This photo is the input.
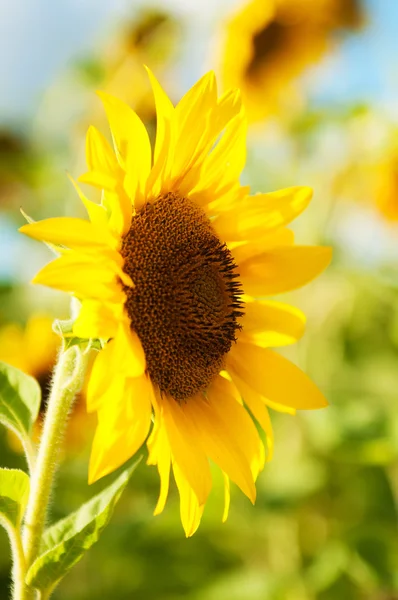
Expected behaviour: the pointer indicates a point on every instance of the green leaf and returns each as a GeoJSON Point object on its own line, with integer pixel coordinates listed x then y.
{"type": "Point", "coordinates": [65, 542]}
{"type": "Point", "coordinates": [20, 397]}
{"type": "Point", "coordinates": [14, 493]}
{"type": "Point", "coordinates": [65, 330]}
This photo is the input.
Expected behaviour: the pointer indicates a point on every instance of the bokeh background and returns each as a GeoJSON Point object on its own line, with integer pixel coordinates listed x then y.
{"type": "Point", "coordinates": [320, 81]}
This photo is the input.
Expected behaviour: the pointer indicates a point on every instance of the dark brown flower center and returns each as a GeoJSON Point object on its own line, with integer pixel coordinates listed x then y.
{"type": "Point", "coordinates": [274, 39]}
{"type": "Point", "coordinates": [186, 300]}
{"type": "Point", "coordinates": [266, 43]}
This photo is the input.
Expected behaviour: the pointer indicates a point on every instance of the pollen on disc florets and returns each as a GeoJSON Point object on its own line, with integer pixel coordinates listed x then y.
{"type": "Point", "coordinates": [186, 298]}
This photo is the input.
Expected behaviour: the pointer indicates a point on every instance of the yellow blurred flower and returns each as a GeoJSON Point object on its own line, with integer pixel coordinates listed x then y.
{"type": "Point", "coordinates": [368, 173]}
{"type": "Point", "coordinates": [268, 43]}
{"type": "Point", "coordinates": [156, 271]}
{"type": "Point", "coordinates": [385, 186]}
{"type": "Point", "coordinates": [33, 349]}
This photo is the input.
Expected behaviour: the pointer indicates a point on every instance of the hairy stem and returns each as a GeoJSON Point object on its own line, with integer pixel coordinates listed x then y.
{"type": "Point", "coordinates": [18, 561]}
{"type": "Point", "coordinates": [30, 453]}
{"type": "Point", "coordinates": [67, 381]}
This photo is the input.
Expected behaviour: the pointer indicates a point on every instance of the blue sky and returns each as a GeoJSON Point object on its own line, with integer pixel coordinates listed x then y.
{"type": "Point", "coordinates": [366, 67]}
{"type": "Point", "coordinates": [39, 38]}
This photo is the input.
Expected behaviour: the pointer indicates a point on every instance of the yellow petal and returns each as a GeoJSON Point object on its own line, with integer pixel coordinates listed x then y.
{"type": "Point", "coordinates": [159, 454]}
{"type": "Point", "coordinates": [129, 355]}
{"type": "Point", "coordinates": [227, 403]}
{"type": "Point", "coordinates": [97, 320]}
{"type": "Point", "coordinates": [190, 510]}
{"type": "Point", "coordinates": [280, 407]}
{"type": "Point", "coordinates": [220, 439]}
{"type": "Point", "coordinates": [123, 425]}
{"type": "Point", "coordinates": [186, 450]}
{"type": "Point", "coordinates": [211, 150]}
{"type": "Point", "coordinates": [269, 403]}
{"type": "Point", "coordinates": [270, 324]}
{"type": "Point", "coordinates": [223, 165]}
{"type": "Point", "coordinates": [96, 212]}
{"type": "Point", "coordinates": [256, 215]}
{"type": "Point", "coordinates": [200, 98]}
{"type": "Point", "coordinates": [122, 357]}
{"type": "Point", "coordinates": [99, 154]}
{"type": "Point", "coordinates": [257, 407]}
{"type": "Point", "coordinates": [101, 257]}
{"type": "Point", "coordinates": [101, 379]}
{"type": "Point", "coordinates": [120, 211]}
{"type": "Point", "coordinates": [191, 125]}
{"type": "Point", "coordinates": [103, 181]}
{"type": "Point", "coordinates": [132, 144]}
{"type": "Point", "coordinates": [70, 232]}
{"type": "Point", "coordinates": [165, 143]}
{"type": "Point", "coordinates": [276, 239]}
{"type": "Point", "coordinates": [228, 106]}
{"type": "Point", "coordinates": [82, 278]}
{"type": "Point", "coordinates": [219, 159]}
{"type": "Point", "coordinates": [227, 497]}
{"type": "Point", "coordinates": [274, 377]}
{"type": "Point", "coordinates": [283, 269]}
{"type": "Point", "coordinates": [230, 152]}
{"type": "Point", "coordinates": [81, 275]}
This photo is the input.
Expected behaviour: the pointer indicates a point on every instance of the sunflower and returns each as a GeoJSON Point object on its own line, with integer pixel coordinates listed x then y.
{"type": "Point", "coordinates": [185, 343]}
{"type": "Point", "coordinates": [268, 43]}
{"type": "Point", "coordinates": [33, 349]}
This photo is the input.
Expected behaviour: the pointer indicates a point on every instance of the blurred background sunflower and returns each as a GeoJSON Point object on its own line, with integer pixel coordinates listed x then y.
{"type": "Point", "coordinates": [320, 82]}
{"type": "Point", "coordinates": [268, 44]}
{"type": "Point", "coordinates": [33, 348]}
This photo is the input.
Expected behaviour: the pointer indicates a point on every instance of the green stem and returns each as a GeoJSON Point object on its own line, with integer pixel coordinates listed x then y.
{"type": "Point", "coordinates": [30, 453]}
{"type": "Point", "coordinates": [18, 561]}
{"type": "Point", "coordinates": [67, 381]}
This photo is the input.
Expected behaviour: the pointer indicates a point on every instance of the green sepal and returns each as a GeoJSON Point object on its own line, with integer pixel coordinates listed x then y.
{"type": "Point", "coordinates": [14, 494]}
{"type": "Point", "coordinates": [65, 330]}
{"type": "Point", "coordinates": [20, 398]}
{"type": "Point", "coordinates": [65, 542]}
{"type": "Point", "coordinates": [76, 341]}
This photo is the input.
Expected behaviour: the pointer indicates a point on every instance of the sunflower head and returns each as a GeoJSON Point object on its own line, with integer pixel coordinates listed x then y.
{"type": "Point", "coordinates": [168, 270]}
{"type": "Point", "coordinates": [172, 247]}
{"type": "Point", "coordinates": [143, 32]}
{"type": "Point", "coordinates": [268, 44]}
